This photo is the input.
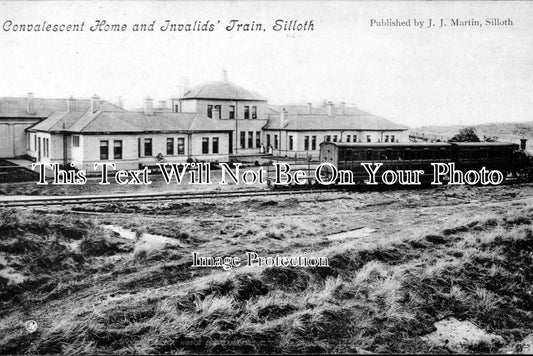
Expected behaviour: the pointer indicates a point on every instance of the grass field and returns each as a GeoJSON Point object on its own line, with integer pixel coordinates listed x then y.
{"type": "Point", "coordinates": [117, 278]}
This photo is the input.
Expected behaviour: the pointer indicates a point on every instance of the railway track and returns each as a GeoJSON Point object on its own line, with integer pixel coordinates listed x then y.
{"type": "Point", "coordinates": [150, 197]}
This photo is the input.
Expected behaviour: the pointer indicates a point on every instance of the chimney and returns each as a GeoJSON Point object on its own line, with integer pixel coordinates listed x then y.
{"type": "Point", "coordinates": [343, 108]}
{"type": "Point", "coordinates": [330, 109]}
{"type": "Point", "coordinates": [183, 87]}
{"type": "Point", "coordinates": [120, 102]}
{"type": "Point", "coordinates": [523, 143]}
{"type": "Point", "coordinates": [309, 108]}
{"type": "Point", "coordinates": [283, 118]}
{"type": "Point", "coordinates": [224, 75]}
{"type": "Point", "coordinates": [324, 102]}
{"type": "Point", "coordinates": [70, 103]}
{"type": "Point", "coordinates": [30, 105]}
{"type": "Point", "coordinates": [95, 103]}
{"type": "Point", "coordinates": [162, 104]}
{"type": "Point", "coordinates": [148, 106]}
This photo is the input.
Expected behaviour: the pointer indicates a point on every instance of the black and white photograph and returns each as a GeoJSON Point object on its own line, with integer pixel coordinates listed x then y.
{"type": "Point", "coordinates": [266, 177]}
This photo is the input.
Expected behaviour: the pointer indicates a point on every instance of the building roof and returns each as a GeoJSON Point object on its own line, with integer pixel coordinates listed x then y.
{"type": "Point", "coordinates": [303, 109]}
{"type": "Point", "coordinates": [17, 107]}
{"type": "Point", "coordinates": [130, 122]}
{"type": "Point", "coordinates": [321, 122]}
{"type": "Point", "coordinates": [222, 91]}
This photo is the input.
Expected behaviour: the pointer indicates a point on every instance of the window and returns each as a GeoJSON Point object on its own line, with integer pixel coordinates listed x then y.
{"type": "Point", "coordinates": [45, 147]}
{"type": "Point", "coordinates": [306, 143]}
{"type": "Point", "coordinates": [250, 139]}
{"type": "Point", "coordinates": [205, 145]}
{"type": "Point", "coordinates": [327, 138]}
{"type": "Point", "coordinates": [254, 112]}
{"type": "Point", "coordinates": [170, 146]}
{"type": "Point", "coordinates": [392, 138]}
{"type": "Point", "coordinates": [147, 147]}
{"type": "Point", "coordinates": [246, 112]}
{"type": "Point", "coordinates": [35, 142]}
{"type": "Point", "coordinates": [291, 143]}
{"type": "Point", "coordinates": [139, 147]}
{"type": "Point", "coordinates": [117, 149]}
{"type": "Point", "coordinates": [176, 108]}
{"type": "Point", "coordinates": [276, 141]}
{"type": "Point", "coordinates": [232, 111]}
{"type": "Point", "coordinates": [257, 139]}
{"type": "Point", "coordinates": [313, 143]}
{"type": "Point", "coordinates": [334, 138]}
{"type": "Point", "coordinates": [76, 141]}
{"type": "Point", "coordinates": [386, 138]}
{"type": "Point", "coordinates": [243, 139]}
{"type": "Point", "coordinates": [219, 108]}
{"type": "Point", "coordinates": [348, 138]}
{"type": "Point", "coordinates": [215, 144]}
{"type": "Point", "coordinates": [181, 145]}
{"type": "Point", "coordinates": [210, 111]}
{"type": "Point", "coordinates": [104, 150]}
{"type": "Point", "coordinates": [28, 142]}
{"type": "Point", "coordinates": [354, 138]}
{"type": "Point", "coordinates": [268, 141]}
{"type": "Point", "coordinates": [368, 138]}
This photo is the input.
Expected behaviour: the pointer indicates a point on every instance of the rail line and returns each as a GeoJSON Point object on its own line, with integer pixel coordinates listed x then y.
{"type": "Point", "coordinates": [151, 197]}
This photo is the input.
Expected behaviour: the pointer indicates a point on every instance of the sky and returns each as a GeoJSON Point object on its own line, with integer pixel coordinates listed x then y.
{"type": "Point", "coordinates": [413, 76]}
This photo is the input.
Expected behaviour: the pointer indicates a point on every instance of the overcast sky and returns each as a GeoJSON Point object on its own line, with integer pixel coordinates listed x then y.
{"type": "Point", "coordinates": [437, 76]}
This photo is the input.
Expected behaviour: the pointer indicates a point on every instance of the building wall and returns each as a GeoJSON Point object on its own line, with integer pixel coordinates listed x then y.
{"type": "Point", "coordinates": [13, 136]}
{"type": "Point", "coordinates": [89, 152]}
{"type": "Point", "coordinates": [299, 139]}
{"type": "Point", "coordinates": [200, 105]}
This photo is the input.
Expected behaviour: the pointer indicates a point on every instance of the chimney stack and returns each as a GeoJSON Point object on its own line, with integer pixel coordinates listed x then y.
{"type": "Point", "coordinates": [70, 103]}
{"type": "Point", "coordinates": [283, 118]}
{"type": "Point", "coordinates": [343, 108]}
{"type": "Point", "coordinates": [183, 87]}
{"type": "Point", "coordinates": [148, 106]}
{"type": "Point", "coordinates": [30, 105]}
{"type": "Point", "coordinates": [330, 109]}
{"type": "Point", "coordinates": [324, 102]}
{"type": "Point", "coordinates": [162, 104]}
{"type": "Point", "coordinates": [95, 103]}
{"type": "Point", "coordinates": [309, 108]}
{"type": "Point", "coordinates": [224, 75]}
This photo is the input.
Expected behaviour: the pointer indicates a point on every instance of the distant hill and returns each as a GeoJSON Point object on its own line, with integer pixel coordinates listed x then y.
{"type": "Point", "coordinates": [504, 132]}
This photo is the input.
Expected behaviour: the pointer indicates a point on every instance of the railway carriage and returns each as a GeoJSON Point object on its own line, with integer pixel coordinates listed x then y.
{"type": "Point", "coordinates": [508, 158]}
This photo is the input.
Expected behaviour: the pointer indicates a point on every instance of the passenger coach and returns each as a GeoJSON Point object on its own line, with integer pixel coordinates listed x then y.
{"type": "Point", "coordinates": [505, 157]}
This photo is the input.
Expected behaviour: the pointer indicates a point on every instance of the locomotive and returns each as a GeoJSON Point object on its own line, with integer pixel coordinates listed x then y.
{"type": "Point", "coordinates": [470, 161]}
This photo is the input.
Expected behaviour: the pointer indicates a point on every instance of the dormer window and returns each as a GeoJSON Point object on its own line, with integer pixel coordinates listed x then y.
{"type": "Point", "coordinates": [210, 111]}
{"type": "Point", "coordinates": [246, 112]}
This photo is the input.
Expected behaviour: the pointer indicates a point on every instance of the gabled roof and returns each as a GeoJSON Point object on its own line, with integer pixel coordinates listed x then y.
{"type": "Point", "coordinates": [315, 122]}
{"type": "Point", "coordinates": [130, 122]}
{"type": "Point", "coordinates": [17, 107]}
{"type": "Point", "coordinates": [221, 90]}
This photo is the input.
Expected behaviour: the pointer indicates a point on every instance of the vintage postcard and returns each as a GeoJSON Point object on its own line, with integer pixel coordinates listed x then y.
{"type": "Point", "coordinates": [241, 177]}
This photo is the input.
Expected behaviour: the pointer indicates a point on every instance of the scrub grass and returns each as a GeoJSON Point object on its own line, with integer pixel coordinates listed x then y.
{"type": "Point", "coordinates": [90, 293]}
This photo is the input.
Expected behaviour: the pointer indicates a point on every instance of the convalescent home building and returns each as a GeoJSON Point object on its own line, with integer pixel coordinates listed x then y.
{"type": "Point", "coordinates": [17, 114]}
{"type": "Point", "coordinates": [215, 121]}
{"type": "Point", "coordinates": [297, 131]}
{"type": "Point", "coordinates": [244, 110]}
{"type": "Point", "coordinates": [128, 139]}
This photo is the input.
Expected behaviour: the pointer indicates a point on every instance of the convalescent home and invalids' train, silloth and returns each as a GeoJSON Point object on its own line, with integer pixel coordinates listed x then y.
{"type": "Point", "coordinates": [214, 121]}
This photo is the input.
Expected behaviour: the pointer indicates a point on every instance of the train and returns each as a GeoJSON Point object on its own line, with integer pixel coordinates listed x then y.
{"type": "Point", "coordinates": [452, 161]}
